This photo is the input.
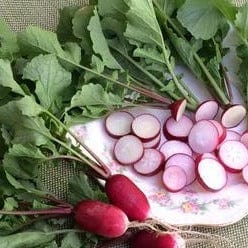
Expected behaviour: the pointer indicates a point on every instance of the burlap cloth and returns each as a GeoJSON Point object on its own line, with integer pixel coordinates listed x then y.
{"type": "Point", "coordinates": [21, 13]}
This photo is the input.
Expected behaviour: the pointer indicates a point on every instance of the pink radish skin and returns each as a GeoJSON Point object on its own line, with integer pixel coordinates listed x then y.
{"type": "Point", "coordinates": [203, 137]}
{"type": "Point", "coordinates": [234, 155]}
{"type": "Point", "coordinates": [186, 162]}
{"type": "Point", "coordinates": [207, 110]}
{"type": "Point", "coordinates": [149, 239]}
{"type": "Point", "coordinates": [128, 150]}
{"type": "Point", "coordinates": [152, 143]}
{"type": "Point", "coordinates": [244, 138]}
{"type": "Point", "coordinates": [119, 124]}
{"type": "Point", "coordinates": [171, 147]}
{"type": "Point", "coordinates": [123, 193]}
{"type": "Point", "coordinates": [146, 126]}
{"type": "Point", "coordinates": [177, 129]}
{"type": "Point", "coordinates": [174, 178]}
{"type": "Point", "coordinates": [151, 163]}
{"type": "Point", "coordinates": [245, 174]}
{"type": "Point", "coordinates": [221, 130]}
{"type": "Point", "coordinates": [232, 116]}
{"type": "Point", "coordinates": [178, 108]}
{"type": "Point", "coordinates": [211, 174]}
{"type": "Point", "coordinates": [101, 218]}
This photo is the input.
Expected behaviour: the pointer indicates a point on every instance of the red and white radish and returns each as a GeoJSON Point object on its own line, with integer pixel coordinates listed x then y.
{"type": "Point", "coordinates": [232, 135]}
{"type": "Point", "coordinates": [178, 108]}
{"type": "Point", "coordinates": [244, 138]}
{"type": "Point", "coordinates": [221, 130]}
{"type": "Point", "coordinates": [203, 137]}
{"type": "Point", "coordinates": [234, 155]}
{"type": "Point", "coordinates": [177, 129]}
{"type": "Point", "coordinates": [211, 174]}
{"type": "Point", "coordinates": [128, 149]}
{"type": "Point", "coordinates": [233, 115]}
{"type": "Point", "coordinates": [146, 126]}
{"type": "Point", "coordinates": [174, 178]}
{"type": "Point", "coordinates": [151, 163]}
{"type": "Point", "coordinates": [207, 110]}
{"type": "Point", "coordinates": [152, 143]}
{"type": "Point", "coordinates": [205, 155]}
{"type": "Point", "coordinates": [245, 174]}
{"type": "Point", "coordinates": [119, 123]}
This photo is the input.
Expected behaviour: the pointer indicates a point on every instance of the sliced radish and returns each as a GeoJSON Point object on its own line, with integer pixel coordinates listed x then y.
{"type": "Point", "coordinates": [211, 174]}
{"type": "Point", "coordinates": [119, 123]}
{"type": "Point", "coordinates": [128, 149]}
{"type": "Point", "coordinates": [146, 126]}
{"type": "Point", "coordinates": [245, 173]}
{"type": "Point", "coordinates": [178, 108]}
{"type": "Point", "coordinates": [184, 161]}
{"type": "Point", "coordinates": [234, 155]}
{"type": "Point", "coordinates": [221, 130]}
{"type": "Point", "coordinates": [152, 143]}
{"type": "Point", "coordinates": [205, 155]}
{"type": "Point", "coordinates": [177, 129]}
{"type": "Point", "coordinates": [232, 135]}
{"type": "Point", "coordinates": [207, 110]}
{"type": "Point", "coordinates": [174, 178]}
{"type": "Point", "coordinates": [244, 138]}
{"type": "Point", "coordinates": [171, 147]}
{"type": "Point", "coordinates": [232, 116]}
{"type": "Point", "coordinates": [151, 162]}
{"type": "Point", "coordinates": [203, 137]}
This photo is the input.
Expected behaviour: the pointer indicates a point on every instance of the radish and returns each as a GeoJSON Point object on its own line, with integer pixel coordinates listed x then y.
{"type": "Point", "coordinates": [178, 129]}
{"type": "Point", "coordinates": [234, 155]}
{"type": "Point", "coordinates": [203, 137]}
{"type": "Point", "coordinates": [146, 126]}
{"type": "Point", "coordinates": [152, 143]}
{"type": "Point", "coordinates": [221, 130]}
{"type": "Point", "coordinates": [244, 138]}
{"type": "Point", "coordinates": [171, 147]}
{"type": "Point", "coordinates": [186, 162]}
{"type": "Point", "coordinates": [101, 218]}
{"type": "Point", "coordinates": [232, 116]}
{"type": "Point", "coordinates": [211, 174]}
{"type": "Point", "coordinates": [150, 239]}
{"type": "Point", "coordinates": [128, 149]}
{"type": "Point", "coordinates": [205, 155]}
{"type": "Point", "coordinates": [119, 124]}
{"type": "Point", "coordinates": [174, 178]}
{"type": "Point", "coordinates": [123, 193]}
{"type": "Point", "coordinates": [245, 173]}
{"type": "Point", "coordinates": [232, 135]}
{"type": "Point", "coordinates": [207, 110]}
{"type": "Point", "coordinates": [151, 163]}
{"type": "Point", "coordinates": [178, 108]}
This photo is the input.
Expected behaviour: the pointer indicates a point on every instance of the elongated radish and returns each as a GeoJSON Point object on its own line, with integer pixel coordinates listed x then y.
{"type": "Point", "coordinates": [119, 123]}
{"type": "Point", "coordinates": [178, 129]}
{"type": "Point", "coordinates": [186, 162]}
{"type": "Point", "coordinates": [101, 218]}
{"type": "Point", "coordinates": [146, 126]}
{"type": "Point", "coordinates": [245, 174]}
{"type": "Point", "coordinates": [221, 130]}
{"type": "Point", "coordinates": [123, 193]}
{"type": "Point", "coordinates": [232, 116]}
{"type": "Point", "coordinates": [244, 138]}
{"type": "Point", "coordinates": [151, 162]}
{"type": "Point", "coordinates": [152, 143]}
{"type": "Point", "coordinates": [174, 178]}
{"type": "Point", "coordinates": [203, 137]}
{"type": "Point", "coordinates": [128, 149]}
{"type": "Point", "coordinates": [211, 174]}
{"type": "Point", "coordinates": [171, 147]}
{"type": "Point", "coordinates": [178, 108]}
{"type": "Point", "coordinates": [207, 110]}
{"type": "Point", "coordinates": [146, 238]}
{"type": "Point", "coordinates": [234, 155]}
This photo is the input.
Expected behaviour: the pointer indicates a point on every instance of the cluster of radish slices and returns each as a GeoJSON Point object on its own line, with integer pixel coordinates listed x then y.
{"type": "Point", "coordinates": [202, 147]}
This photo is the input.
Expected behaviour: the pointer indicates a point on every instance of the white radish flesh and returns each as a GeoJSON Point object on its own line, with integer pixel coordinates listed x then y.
{"type": "Point", "coordinates": [151, 163]}
{"type": "Point", "coordinates": [128, 149]}
{"type": "Point", "coordinates": [119, 123]}
{"type": "Point", "coordinates": [211, 174]}
{"type": "Point", "coordinates": [221, 130]}
{"type": "Point", "coordinates": [244, 139]}
{"type": "Point", "coordinates": [234, 155]}
{"type": "Point", "coordinates": [178, 108]}
{"type": "Point", "coordinates": [207, 110]}
{"type": "Point", "coordinates": [174, 178]}
{"type": "Point", "coordinates": [152, 143]}
{"type": "Point", "coordinates": [203, 137]}
{"type": "Point", "coordinates": [146, 126]}
{"type": "Point", "coordinates": [245, 173]}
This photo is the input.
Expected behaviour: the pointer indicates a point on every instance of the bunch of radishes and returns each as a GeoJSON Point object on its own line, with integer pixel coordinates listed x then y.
{"type": "Point", "coordinates": [202, 146]}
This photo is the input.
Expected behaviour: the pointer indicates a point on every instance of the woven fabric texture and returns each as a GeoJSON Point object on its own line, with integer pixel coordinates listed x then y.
{"type": "Point", "coordinates": [44, 13]}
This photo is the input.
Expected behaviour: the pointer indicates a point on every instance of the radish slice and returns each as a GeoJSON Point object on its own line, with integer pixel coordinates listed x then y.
{"type": "Point", "coordinates": [221, 130]}
{"type": "Point", "coordinates": [146, 126]}
{"type": "Point", "coordinates": [119, 123]}
{"type": "Point", "coordinates": [245, 173]}
{"type": "Point", "coordinates": [174, 178]}
{"type": "Point", "coordinates": [178, 108]}
{"type": "Point", "coordinates": [234, 155]}
{"type": "Point", "coordinates": [128, 149]}
{"type": "Point", "coordinates": [232, 135]}
{"type": "Point", "coordinates": [203, 137]}
{"type": "Point", "coordinates": [205, 155]}
{"type": "Point", "coordinates": [233, 116]}
{"type": "Point", "coordinates": [171, 147]}
{"type": "Point", "coordinates": [151, 162]}
{"type": "Point", "coordinates": [207, 110]}
{"type": "Point", "coordinates": [211, 174]}
{"type": "Point", "coordinates": [244, 138]}
{"type": "Point", "coordinates": [186, 162]}
{"type": "Point", "coordinates": [177, 129]}
{"type": "Point", "coordinates": [152, 143]}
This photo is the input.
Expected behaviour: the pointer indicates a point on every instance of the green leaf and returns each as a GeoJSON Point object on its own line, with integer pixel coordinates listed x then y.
{"type": "Point", "coordinates": [10, 204]}
{"type": "Point", "coordinates": [241, 21]}
{"type": "Point", "coordinates": [227, 8]}
{"type": "Point", "coordinates": [71, 240]}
